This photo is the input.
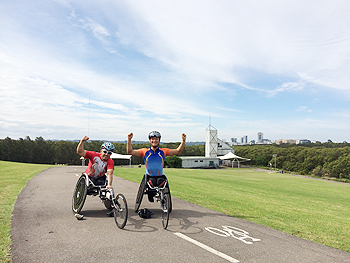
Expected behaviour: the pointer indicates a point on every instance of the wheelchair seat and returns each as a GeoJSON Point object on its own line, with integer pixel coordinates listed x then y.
{"type": "Point", "coordinates": [99, 181]}
{"type": "Point", "coordinates": [156, 181]}
{"type": "Point", "coordinates": [95, 184]}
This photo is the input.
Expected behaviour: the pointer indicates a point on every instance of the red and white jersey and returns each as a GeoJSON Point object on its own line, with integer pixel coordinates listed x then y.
{"type": "Point", "coordinates": [97, 167]}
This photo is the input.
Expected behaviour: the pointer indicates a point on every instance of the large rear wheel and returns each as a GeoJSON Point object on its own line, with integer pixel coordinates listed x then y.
{"type": "Point", "coordinates": [140, 193]}
{"type": "Point", "coordinates": [79, 195]}
{"type": "Point", "coordinates": [120, 209]}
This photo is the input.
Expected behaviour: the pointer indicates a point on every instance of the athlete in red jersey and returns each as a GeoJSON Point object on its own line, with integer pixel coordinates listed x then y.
{"type": "Point", "coordinates": [99, 163]}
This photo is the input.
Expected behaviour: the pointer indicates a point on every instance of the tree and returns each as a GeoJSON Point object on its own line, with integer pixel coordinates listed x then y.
{"type": "Point", "coordinates": [262, 161]}
{"type": "Point", "coordinates": [173, 161]}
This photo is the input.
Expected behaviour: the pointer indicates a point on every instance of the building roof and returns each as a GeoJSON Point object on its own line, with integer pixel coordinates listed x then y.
{"type": "Point", "coordinates": [120, 156]}
{"type": "Point", "coordinates": [197, 157]}
{"type": "Point", "coordinates": [231, 155]}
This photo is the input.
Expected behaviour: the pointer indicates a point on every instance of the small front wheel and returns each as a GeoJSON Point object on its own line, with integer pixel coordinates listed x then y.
{"type": "Point", "coordinates": [120, 209]}
{"type": "Point", "coordinates": [165, 203]}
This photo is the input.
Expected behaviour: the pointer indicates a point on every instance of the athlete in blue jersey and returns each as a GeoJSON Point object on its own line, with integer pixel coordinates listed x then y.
{"type": "Point", "coordinates": [154, 156]}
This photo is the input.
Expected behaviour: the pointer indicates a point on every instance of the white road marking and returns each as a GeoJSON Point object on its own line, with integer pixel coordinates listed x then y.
{"type": "Point", "coordinates": [235, 232]}
{"type": "Point", "coordinates": [212, 250]}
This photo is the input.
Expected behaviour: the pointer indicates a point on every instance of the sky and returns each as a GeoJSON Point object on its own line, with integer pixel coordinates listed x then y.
{"type": "Point", "coordinates": [107, 68]}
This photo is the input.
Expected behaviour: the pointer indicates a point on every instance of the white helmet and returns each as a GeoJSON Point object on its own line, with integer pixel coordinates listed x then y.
{"type": "Point", "coordinates": [154, 134]}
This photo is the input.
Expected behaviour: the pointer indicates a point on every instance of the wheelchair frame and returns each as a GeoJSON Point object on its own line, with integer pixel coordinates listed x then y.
{"type": "Point", "coordinates": [85, 186]}
{"type": "Point", "coordinates": [162, 195]}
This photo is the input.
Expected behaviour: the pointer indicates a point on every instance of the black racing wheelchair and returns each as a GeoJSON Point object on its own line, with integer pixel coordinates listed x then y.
{"type": "Point", "coordinates": [161, 192]}
{"type": "Point", "coordinates": [98, 186]}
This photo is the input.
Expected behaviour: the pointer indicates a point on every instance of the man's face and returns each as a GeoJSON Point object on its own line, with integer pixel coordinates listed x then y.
{"type": "Point", "coordinates": [105, 155]}
{"type": "Point", "coordinates": [154, 141]}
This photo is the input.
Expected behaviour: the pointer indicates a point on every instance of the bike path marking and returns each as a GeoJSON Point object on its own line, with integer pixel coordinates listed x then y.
{"type": "Point", "coordinates": [235, 232]}
{"type": "Point", "coordinates": [212, 250]}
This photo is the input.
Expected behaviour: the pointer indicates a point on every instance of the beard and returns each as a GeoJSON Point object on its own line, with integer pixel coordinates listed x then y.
{"type": "Point", "coordinates": [104, 158]}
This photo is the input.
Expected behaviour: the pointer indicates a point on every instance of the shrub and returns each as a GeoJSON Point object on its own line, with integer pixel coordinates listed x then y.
{"type": "Point", "coordinates": [173, 162]}
{"type": "Point", "coordinates": [320, 172]}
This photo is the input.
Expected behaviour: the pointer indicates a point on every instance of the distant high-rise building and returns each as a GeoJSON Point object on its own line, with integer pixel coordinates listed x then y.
{"type": "Point", "coordinates": [281, 141]}
{"type": "Point", "coordinates": [260, 137]}
{"type": "Point", "coordinates": [244, 139]}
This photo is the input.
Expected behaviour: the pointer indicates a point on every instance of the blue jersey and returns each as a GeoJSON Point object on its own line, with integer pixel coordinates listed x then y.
{"type": "Point", "coordinates": [154, 160]}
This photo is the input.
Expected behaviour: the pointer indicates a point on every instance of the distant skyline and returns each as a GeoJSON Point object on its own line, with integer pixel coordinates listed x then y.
{"type": "Point", "coordinates": [108, 68]}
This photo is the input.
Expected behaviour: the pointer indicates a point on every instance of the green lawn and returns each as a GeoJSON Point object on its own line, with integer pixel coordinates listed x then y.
{"type": "Point", "coordinates": [13, 176]}
{"type": "Point", "coordinates": [316, 210]}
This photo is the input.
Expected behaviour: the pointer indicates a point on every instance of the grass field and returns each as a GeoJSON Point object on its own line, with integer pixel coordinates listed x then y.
{"type": "Point", "coordinates": [13, 176]}
{"type": "Point", "coordinates": [316, 210]}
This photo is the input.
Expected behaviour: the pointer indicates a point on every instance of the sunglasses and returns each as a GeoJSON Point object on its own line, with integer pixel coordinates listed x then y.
{"type": "Point", "coordinates": [108, 152]}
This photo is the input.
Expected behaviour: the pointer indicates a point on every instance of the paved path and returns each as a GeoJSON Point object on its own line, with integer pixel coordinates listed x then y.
{"type": "Point", "coordinates": [44, 229]}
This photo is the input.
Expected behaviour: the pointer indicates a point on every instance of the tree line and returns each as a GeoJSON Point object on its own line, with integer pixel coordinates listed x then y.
{"type": "Point", "coordinates": [64, 152]}
{"type": "Point", "coordinates": [321, 159]}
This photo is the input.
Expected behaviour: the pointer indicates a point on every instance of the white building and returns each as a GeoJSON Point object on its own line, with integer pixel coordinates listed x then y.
{"type": "Point", "coordinates": [244, 139]}
{"type": "Point", "coordinates": [234, 141]}
{"type": "Point", "coordinates": [199, 162]}
{"type": "Point", "coordinates": [211, 144]}
{"type": "Point", "coordinates": [214, 147]}
{"type": "Point", "coordinates": [223, 148]}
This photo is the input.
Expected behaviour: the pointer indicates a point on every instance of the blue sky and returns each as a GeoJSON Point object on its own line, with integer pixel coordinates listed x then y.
{"type": "Point", "coordinates": [107, 68]}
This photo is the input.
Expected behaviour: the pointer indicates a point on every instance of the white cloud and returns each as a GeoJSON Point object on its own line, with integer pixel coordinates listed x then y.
{"type": "Point", "coordinates": [303, 109]}
{"type": "Point", "coordinates": [98, 31]}
{"type": "Point", "coordinates": [288, 86]}
{"type": "Point", "coordinates": [211, 40]}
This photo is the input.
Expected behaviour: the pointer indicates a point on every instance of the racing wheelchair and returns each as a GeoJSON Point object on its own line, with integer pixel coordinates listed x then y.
{"type": "Point", "coordinates": [160, 192]}
{"type": "Point", "coordinates": [98, 186]}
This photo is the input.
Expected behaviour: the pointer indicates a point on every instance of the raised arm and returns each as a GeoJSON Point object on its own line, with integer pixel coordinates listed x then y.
{"type": "Point", "coordinates": [129, 149]}
{"type": "Point", "coordinates": [80, 147]}
{"type": "Point", "coordinates": [181, 146]}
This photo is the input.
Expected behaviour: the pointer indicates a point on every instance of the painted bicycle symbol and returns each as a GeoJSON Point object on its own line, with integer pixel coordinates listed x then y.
{"type": "Point", "coordinates": [235, 232]}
